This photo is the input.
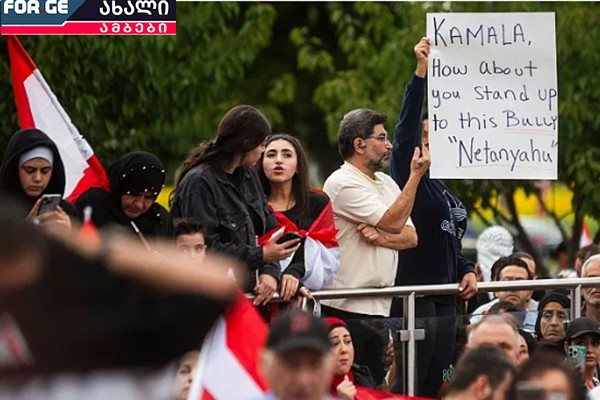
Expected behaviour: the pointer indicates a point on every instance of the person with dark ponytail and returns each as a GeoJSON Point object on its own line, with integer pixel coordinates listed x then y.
{"type": "Point", "coordinates": [218, 186]}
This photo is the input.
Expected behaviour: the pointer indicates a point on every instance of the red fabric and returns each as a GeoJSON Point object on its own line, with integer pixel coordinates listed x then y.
{"type": "Point", "coordinates": [89, 234]}
{"type": "Point", "coordinates": [206, 395]}
{"type": "Point", "coordinates": [363, 393]}
{"type": "Point", "coordinates": [322, 229]}
{"type": "Point", "coordinates": [21, 67]}
{"type": "Point", "coordinates": [333, 321]}
{"type": "Point", "coordinates": [246, 335]}
{"type": "Point", "coordinates": [93, 176]}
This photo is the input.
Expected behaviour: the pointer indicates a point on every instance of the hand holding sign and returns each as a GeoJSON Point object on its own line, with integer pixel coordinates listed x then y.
{"type": "Point", "coordinates": [422, 50]}
{"type": "Point", "coordinates": [492, 90]}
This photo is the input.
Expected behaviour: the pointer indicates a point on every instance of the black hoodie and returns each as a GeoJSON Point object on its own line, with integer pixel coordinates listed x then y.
{"type": "Point", "coordinates": [21, 142]}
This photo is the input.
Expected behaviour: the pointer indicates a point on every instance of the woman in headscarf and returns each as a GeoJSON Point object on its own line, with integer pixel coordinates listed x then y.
{"type": "Point", "coordinates": [31, 168]}
{"type": "Point", "coordinates": [350, 381]}
{"type": "Point", "coordinates": [135, 180]}
{"type": "Point", "coordinates": [553, 314]}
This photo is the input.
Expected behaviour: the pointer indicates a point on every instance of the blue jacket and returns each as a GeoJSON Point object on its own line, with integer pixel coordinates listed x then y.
{"type": "Point", "coordinates": [439, 217]}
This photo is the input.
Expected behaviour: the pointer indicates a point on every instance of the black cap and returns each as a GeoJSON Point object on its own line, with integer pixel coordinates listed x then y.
{"type": "Point", "coordinates": [580, 326]}
{"type": "Point", "coordinates": [298, 330]}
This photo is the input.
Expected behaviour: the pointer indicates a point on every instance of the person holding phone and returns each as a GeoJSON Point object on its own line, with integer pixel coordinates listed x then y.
{"type": "Point", "coordinates": [33, 173]}
{"type": "Point", "coordinates": [135, 181]}
{"type": "Point", "coordinates": [585, 333]}
{"type": "Point", "coordinates": [218, 186]}
{"type": "Point", "coordinates": [305, 214]}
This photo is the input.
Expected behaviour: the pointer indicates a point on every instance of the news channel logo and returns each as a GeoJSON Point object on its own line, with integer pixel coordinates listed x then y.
{"type": "Point", "coordinates": [88, 17]}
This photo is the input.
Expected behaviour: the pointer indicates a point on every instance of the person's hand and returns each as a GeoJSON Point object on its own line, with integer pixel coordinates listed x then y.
{"type": "Point", "coordinates": [289, 286]}
{"type": "Point", "coordinates": [34, 211]}
{"type": "Point", "coordinates": [303, 293]}
{"type": "Point", "coordinates": [468, 286]}
{"type": "Point", "coordinates": [422, 53]}
{"type": "Point", "coordinates": [276, 252]}
{"type": "Point", "coordinates": [346, 389]}
{"type": "Point", "coordinates": [421, 161]}
{"type": "Point", "coordinates": [56, 222]}
{"type": "Point", "coordinates": [389, 354]}
{"type": "Point", "coordinates": [370, 233]}
{"type": "Point", "coordinates": [264, 289]}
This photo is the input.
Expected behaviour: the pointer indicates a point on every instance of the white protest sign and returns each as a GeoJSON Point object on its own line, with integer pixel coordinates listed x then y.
{"type": "Point", "coordinates": [493, 95]}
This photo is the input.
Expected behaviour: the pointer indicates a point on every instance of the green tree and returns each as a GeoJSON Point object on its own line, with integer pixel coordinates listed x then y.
{"type": "Point", "coordinates": [160, 94]}
{"type": "Point", "coordinates": [375, 60]}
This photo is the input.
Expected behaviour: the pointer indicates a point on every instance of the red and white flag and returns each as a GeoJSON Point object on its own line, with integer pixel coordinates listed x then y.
{"type": "Point", "coordinates": [586, 237]}
{"type": "Point", "coordinates": [227, 367]}
{"type": "Point", "coordinates": [321, 248]}
{"type": "Point", "coordinates": [39, 108]}
{"type": "Point", "coordinates": [228, 364]}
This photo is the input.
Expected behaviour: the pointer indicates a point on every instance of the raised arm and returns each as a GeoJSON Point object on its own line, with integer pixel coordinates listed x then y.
{"type": "Point", "coordinates": [407, 133]}
{"type": "Point", "coordinates": [398, 213]}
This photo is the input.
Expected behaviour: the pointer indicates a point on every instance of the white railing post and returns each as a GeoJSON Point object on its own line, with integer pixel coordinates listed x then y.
{"type": "Point", "coordinates": [411, 344]}
{"type": "Point", "coordinates": [576, 301]}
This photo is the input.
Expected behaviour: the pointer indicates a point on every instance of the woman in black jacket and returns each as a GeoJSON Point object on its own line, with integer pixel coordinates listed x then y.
{"type": "Point", "coordinates": [218, 187]}
{"type": "Point", "coordinates": [31, 168]}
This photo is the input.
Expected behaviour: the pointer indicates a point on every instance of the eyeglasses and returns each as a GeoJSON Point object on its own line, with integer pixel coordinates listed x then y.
{"type": "Point", "coordinates": [383, 138]}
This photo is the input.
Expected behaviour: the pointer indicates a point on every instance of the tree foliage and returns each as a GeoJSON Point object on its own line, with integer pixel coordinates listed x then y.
{"type": "Point", "coordinates": [161, 94]}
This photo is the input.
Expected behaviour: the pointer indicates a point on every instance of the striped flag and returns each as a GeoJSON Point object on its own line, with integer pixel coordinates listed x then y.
{"type": "Point", "coordinates": [88, 232]}
{"type": "Point", "coordinates": [39, 108]}
{"type": "Point", "coordinates": [586, 237]}
{"type": "Point", "coordinates": [228, 368]}
{"type": "Point", "coordinates": [321, 248]}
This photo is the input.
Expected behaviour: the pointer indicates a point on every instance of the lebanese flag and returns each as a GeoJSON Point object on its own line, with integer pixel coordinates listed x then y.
{"type": "Point", "coordinates": [39, 108]}
{"type": "Point", "coordinates": [227, 368]}
{"type": "Point", "coordinates": [88, 232]}
{"type": "Point", "coordinates": [586, 237]}
{"type": "Point", "coordinates": [321, 248]}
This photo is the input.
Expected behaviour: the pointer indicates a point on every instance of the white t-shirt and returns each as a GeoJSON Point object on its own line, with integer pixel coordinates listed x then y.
{"type": "Point", "coordinates": [356, 199]}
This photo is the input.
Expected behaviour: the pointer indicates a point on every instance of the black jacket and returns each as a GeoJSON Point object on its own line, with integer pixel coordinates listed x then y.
{"type": "Point", "coordinates": [21, 142]}
{"type": "Point", "coordinates": [227, 213]}
{"type": "Point", "coordinates": [439, 216]}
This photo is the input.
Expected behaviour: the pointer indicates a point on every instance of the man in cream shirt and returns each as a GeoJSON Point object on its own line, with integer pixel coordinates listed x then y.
{"type": "Point", "coordinates": [371, 213]}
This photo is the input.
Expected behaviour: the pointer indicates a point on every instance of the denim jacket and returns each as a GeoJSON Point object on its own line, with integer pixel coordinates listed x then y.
{"type": "Point", "coordinates": [211, 198]}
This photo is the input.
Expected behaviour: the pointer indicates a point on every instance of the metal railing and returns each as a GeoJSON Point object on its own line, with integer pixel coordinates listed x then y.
{"type": "Point", "coordinates": [410, 293]}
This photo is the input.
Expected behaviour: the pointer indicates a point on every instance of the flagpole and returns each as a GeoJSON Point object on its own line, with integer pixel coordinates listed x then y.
{"type": "Point", "coordinates": [141, 236]}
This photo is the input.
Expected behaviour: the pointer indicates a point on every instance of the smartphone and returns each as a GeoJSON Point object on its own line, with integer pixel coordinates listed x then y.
{"type": "Point", "coordinates": [49, 203]}
{"type": "Point", "coordinates": [289, 235]}
{"type": "Point", "coordinates": [530, 391]}
{"type": "Point", "coordinates": [576, 355]}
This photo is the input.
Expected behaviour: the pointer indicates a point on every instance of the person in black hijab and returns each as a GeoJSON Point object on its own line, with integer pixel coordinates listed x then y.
{"type": "Point", "coordinates": [135, 180]}
{"type": "Point", "coordinates": [31, 168]}
{"type": "Point", "coordinates": [550, 327]}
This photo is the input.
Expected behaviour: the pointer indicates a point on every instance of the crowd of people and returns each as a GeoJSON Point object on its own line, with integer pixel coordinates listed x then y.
{"type": "Point", "coordinates": [245, 195]}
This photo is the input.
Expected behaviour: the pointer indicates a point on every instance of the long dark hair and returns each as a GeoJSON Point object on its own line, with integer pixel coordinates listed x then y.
{"type": "Point", "coordinates": [242, 129]}
{"type": "Point", "coordinates": [300, 187]}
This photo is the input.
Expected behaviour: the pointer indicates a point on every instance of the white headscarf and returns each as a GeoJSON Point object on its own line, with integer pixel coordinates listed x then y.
{"type": "Point", "coordinates": [37, 152]}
